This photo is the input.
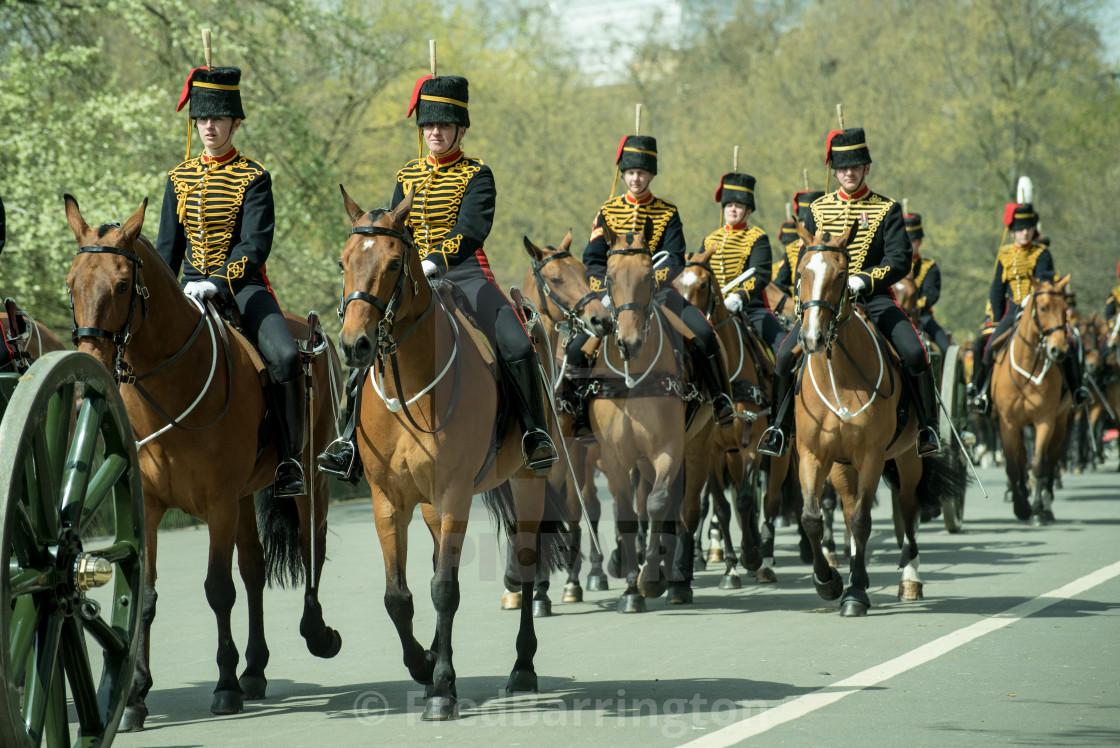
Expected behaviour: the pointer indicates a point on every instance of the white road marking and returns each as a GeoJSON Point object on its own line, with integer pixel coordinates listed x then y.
{"type": "Point", "coordinates": [810, 702]}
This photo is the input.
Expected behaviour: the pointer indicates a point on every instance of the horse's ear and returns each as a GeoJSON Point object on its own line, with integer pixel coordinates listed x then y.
{"type": "Point", "coordinates": [704, 255]}
{"type": "Point", "coordinates": [1063, 283]}
{"type": "Point", "coordinates": [535, 252]}
{"type": "Point", "coordinates": [567, 243]}
{"type": "Point", "coordinates": [74, 217]}
{"type": "Point", "coordinates": [399, 214]}
{"type": "Point", "coordinates": [133, 225]}
{"type": "Point", "coordinates": [803, 233]}
{"type": "Point", "coordinates": [608, 234]}
{"type": "Point", "coordinates": [844, 238]}
{"type": "Point", "coordinates": [352, 209]}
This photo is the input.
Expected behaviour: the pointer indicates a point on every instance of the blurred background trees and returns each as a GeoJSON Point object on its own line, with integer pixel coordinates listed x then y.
{"type": "Point", "coordinates": [959, 98]}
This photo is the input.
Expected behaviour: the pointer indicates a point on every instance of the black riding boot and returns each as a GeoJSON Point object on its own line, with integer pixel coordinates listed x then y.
{"type": "Point", "coordinates": [775, 440]}
{"type": "Point", "coordinates": [288, 480]}
{"type": "Point", "coordinates": [978, 399]}
{"type": "Point", "coordinates": [1071, 372]}
{"type": "Point", "coordinates": [573, 374]}
{"type": "Point", "coordinates": [536, 444]}
{"type": "Point", "coordinates": [926, 390]}
{"type": "Point", "coordinates": [723, 410]}
{"type": "Point", "coordinates": [340, 458]}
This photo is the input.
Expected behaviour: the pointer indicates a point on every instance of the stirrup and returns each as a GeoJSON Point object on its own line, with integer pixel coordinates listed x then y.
{"type": "Point", "coordinates": [340, 459]}
{"type": "Point", "coordinates": [932, 444]}
{"type": "Point", "coordinates": [293, 482]}
{"type": "Point", "coordinates": [542, 465]}
{"type": "Point", "coordinates": [722, 403]}
{"type": "Point", "coordinates": [766, 445]}
{"type": "Point", "coordinates": [1081, 397]}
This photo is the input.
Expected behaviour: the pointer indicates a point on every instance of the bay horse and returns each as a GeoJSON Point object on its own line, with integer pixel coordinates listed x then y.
{"type": "Point", "coordinates": [637, 411]}
{"type": "Point", "coordinates": [847, 428]}
{"type": "Point", "coordinates": [1027, 389]}
{"type": "Point", "coordinates": [782, 304]}
{"type": "Point", "coordinates": [196, 405]}
{"type": "Point", "coordinates": [432, 431]}
{"type": "Point", "coordinates": [23, 338]}
{"type": "Point", "coordinates": [556, 284]}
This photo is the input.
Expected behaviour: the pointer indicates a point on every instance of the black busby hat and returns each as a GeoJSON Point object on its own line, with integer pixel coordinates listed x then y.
{"type": "Point", "coordinates": [803, 200]}
{"type": "Point", "coordinates": [846, 148]}
{"type": "Point", "coordinates": [440, 100]}
{"type": "Point", "coordinates": [914, 226]}
{"type": "Point", "coordinates": [787, 234]}
{"type": "Point", "coordinates": [213, 92]}
{"type": "Point", "coordinates": [637, 152]}
{"type": "Point", "coordinates": [736, 188]}
{"type": "Point", "coordinates": [1018, 216]}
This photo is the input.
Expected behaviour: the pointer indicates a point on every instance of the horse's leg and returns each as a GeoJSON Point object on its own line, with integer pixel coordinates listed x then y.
{"type": "Point", "coordinates": [910, 468]}
{"type": "Point", "coordinates": [322, 640]}
{"type": "Point", "coordinates": [526, 547]}
{"type": "Point", "coordinates": [136, 710]}
{"type": "Point", "coordinates": [663, 507]}
{"type": "Point", "coordinates": [392, 533]}
{"type": "Point", "coordinates": [826, 580]}
{"type": "Point", "coordinates": [680, 587]}
{"type": "Point", "coordinates": [700, 559]}
{"type": "Point", "coordinates": [221, 595]}
{"type": "Point", "coordinates": [721, 508]}
{"type": "Point", "coordinates": [442, 696]}
{"type": "Point", "coordinates": [250, 561]}
{"type": "Point", "coordinates": [1015, 457]}
{"type": "Point", "coordinates": [860, 487]}
{"type": "Point", "coordinates": [828, 539]}
{"type": "Point", "coordinates": [1047, 451]}
{"type": "Point", "coordinates": [626, 566]}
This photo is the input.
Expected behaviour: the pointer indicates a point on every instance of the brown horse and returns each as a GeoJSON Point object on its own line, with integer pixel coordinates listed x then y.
{"type": "Point", "coordinates": [556, 283]}
{"type": "Point", "coordinates": [781, 304]}
{"type": "Point", "coordinates": [847, 427]}
{"type": "Point", "coordinates": [432, 431]}
{"type": "Point", "coordinates": [26, 339]}
{"type": "Point", "coordinates": [906, 294]}
{"type": "Point", "coordinates": [196, 403]}
{"type": "Point", "coordinates": [1027, 390]}
{"type": "Point", "coordinates": [638, 414]}
{"type": "Point", "coordinates": [1102, 375]}
{"type": "Point", "coordinates": [750, 369]}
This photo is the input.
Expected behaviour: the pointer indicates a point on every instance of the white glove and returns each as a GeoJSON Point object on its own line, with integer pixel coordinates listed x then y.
{"type": "Point", "coordinates": [734, 303]}
{"type": "Point", "coordinates": [856, 285]}
{"type": "Point", "coordinates": [200, 290]}
{"type": "Point", "coordinates": [607, 301]}
{"type": "Point", "coordinates": [431, 270]}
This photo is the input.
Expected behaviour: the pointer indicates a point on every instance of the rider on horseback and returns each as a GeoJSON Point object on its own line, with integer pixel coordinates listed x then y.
{"type": "Point", "coordinates": [218, 216]}
{"type": "Point", "coordinates": [451, 216]}
{"type": "Point", "coordinates": [637, 162]}
{"type": "Point", "coordinates": [739, 249]}
{"type": "Point", "coordinates": [1016, 264]}
{"type": "Point", "coordinates": [927, 277]}
{"type": "Point", "coordinates": [879, 255]}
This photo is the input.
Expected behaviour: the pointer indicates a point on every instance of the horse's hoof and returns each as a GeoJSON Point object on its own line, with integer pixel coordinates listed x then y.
{"type": "Point", "coordinates": [1038, 519]}
{"type": "Point", "coordinates": [1008, 495]}
{"type": "Point", "coordinates": [730, 582]}
{"type": "Point", "coordinates": [597, 583]}
{"type": "Point", "coordinates": [511, 600]}
{"type": "Point", "coordinates": [832, 559]}
{"type": "Point", "coordinates": [908, 589]}
{"type": "Point", "coordinates": [855, 603]}
{"type": "Point", "coordinates": [440, 708]}
{"type": "Point", "coordinates": [542, 608]}
{"type": "Point", "coordinates": [1047, 515]}
{"type": "Point", "coordinates": [831, 589]}
{"type": "Point", "coordinates": [715, 555]}
{"type": "Point", "coordinates": [253, 686]}
{"type": "Point", "coordinates": [699, 563]}
{"type": "Point", "coordinates": [573, 593]}
{"type": "Point", "coordinates": [765, 575]}
{"type": "Point", "coordinates": [522, 681]}
{"type": "Point", "coordinates": [680, 593]}
{"type": "Point", "coordinates": [326, 644]}
{"type": "Point", "coordinates": [614, 565]}
{"type": "Point", "coordinates": [631, 603]}
{"type": "Point", "coordinates": [1022, 507]}
{"type": "Point", "coordinates": [652, 590]}
{"type": "Point", "coordinates": [227, 702]}
{"type": "Point", "coordinates": [133, 718]}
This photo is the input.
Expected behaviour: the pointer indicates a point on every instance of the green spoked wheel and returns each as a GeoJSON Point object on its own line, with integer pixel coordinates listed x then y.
{"type": "Point", "coordinates": [953, 416]}
{"type": "Point", "coordinates": [73, 542]}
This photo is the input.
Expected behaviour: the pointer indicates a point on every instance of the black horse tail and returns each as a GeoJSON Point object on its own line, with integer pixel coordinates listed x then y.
{"type": "Point", "coordinates": [554, 538]}
{"type": "Point", "coordinates": [278, 529]}
{"type": "Point", "coordinates": [943, 476]}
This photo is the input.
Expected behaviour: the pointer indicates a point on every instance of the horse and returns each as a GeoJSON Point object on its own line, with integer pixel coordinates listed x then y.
{"type": "Point", "coordinates": [1027, 390]}
{"type": "Point", "coordinates": [782, 304]}
{"type": "Point", "coordinates": [26, 339]}
{"type": "Point", "coordinates": [556, 284]}
{"type": "Point", "coordinates": [423, 441]}
{"type": "Point", "coordinates": [847, 427]}
{"type": "Point", "coordinates": [638, 414]}
{"type": "Point", "coordinates": [750, 370]}
{"type": "Point", "coordinates": [1103, 378]}
{"type": "Point", "coordinates": [906, 294]}
{"type": "Point", "coordinates": [196, 405]}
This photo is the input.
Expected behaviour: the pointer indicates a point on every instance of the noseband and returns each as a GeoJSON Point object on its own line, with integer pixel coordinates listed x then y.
{"type": "Point", "coordinates": [122, 371]}
{"type": "Point", "coordinates": [572, 317]}
{"type": "Point", "coordinates": [643, 309]}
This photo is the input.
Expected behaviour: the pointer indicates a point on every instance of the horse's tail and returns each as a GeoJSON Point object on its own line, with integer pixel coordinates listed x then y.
{"type": "Point", "coordinates": [943, 476]}
{"type": "Point", "coordinates": [278, 528]}
{"type": "Point", "coordinates": [554, 538]}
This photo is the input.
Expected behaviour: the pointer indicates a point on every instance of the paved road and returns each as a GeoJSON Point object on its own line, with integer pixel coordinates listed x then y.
{"type": "Point", "coordinates": [1016, 642]}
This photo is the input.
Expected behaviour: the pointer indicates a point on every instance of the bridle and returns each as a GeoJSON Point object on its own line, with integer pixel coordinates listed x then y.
{"type": "Point", "coordinates": [838, 310]}
{"type": "Point", "coordinates": [1043, 333]}
{"type": "Point", "coordinates": [572, 315]}
{"type": "Point", "coordinates": [710, 285]}
{"type": "Point", "coordinates": [646, 309]}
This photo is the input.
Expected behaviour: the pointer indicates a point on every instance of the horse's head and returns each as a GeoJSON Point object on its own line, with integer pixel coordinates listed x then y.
{"type": "Point", "coordinates": [107, 291]}
{"type": "Point", "coordinates": [906, 294]}
{"type": "Point", "coordinates": [630, 285]}
{"type": "Point", "coordinates": [697, 282]}
{"type": "Point", "coordinates": [560, 281]}
{"type": "Point", "coordinates": [1048, 312]}
{"type": "Point", "coordinates": [381, 271]}
{"type": "Point", "coordinates": [822, 287]}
